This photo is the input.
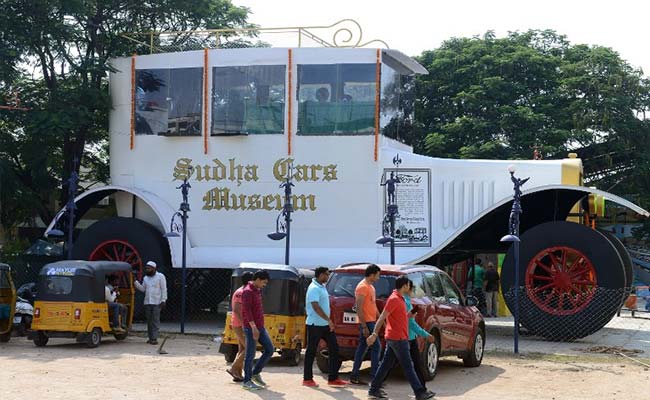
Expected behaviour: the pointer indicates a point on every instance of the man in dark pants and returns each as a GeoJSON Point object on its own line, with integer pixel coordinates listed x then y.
{"type": "Point", "coordinates": [320, 326]}
{"type": "Point", "coordinates": [252, 310]}
{"type": "Point", "coordinates": [397, 344]}
{"type": "Point", "coordinates": [154, 286]}
{"type": "Point", "coordinates": [366, 307]}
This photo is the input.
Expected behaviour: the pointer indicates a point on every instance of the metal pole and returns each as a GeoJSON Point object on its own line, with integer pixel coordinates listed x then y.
{"type": "Point", "coordinates": [516, 249]}
{"type": "Point", "coordinates": [70, 226]}
{"type": "Point", "coordinates": [183, 272]}
{"type": "Point", "coordinates": [287, 216]}
{"type": "Point", "coordinates": [392, 241]}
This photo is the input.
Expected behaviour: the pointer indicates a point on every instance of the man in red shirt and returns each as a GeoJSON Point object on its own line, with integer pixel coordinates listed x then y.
{"type": "Point", "coordinates": [397, 344]}
{"type": "Point", "coordinates": [252, 311]}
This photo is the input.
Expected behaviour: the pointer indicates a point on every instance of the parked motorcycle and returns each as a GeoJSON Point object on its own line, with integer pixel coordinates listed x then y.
{"type": "Point", "coordinates": [23, 317]}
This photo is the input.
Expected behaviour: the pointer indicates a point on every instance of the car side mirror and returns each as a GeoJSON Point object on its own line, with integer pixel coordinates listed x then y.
{"type": "Point", "coordinates": [471, 301]}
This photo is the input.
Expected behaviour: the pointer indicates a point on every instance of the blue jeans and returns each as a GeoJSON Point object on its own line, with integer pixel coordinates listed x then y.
{"type": "Point", "coordinates": [397, 350]}
{"type": "Point", "coordinates": [361, 352]}
{"type": "Point", "coordinates": [251, 348]}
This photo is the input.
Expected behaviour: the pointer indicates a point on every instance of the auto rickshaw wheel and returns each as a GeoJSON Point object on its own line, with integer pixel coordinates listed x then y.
{"type": "Point", "coordinates": [229, 351]}
{"type": "Point", "coordinates": [121, 336]}
{"type": "Point", "coordinates": [94, 338]}
{"type": "Point", "coordinates": [40, 339]}
{"type": "Point", "coordinates": [4, 337]}
{"type": "Point", "coordinates": [292, 356]}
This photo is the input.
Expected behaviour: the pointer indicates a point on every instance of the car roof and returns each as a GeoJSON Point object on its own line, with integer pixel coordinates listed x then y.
{"type": "Point", "coordinates": [4, 267]}
{"type": "Point", "coordinates": [388, 269]}
{"type": "Point", "coordinates": [276, 271]}
{"type": "Point", "coordinates": [84, 268]}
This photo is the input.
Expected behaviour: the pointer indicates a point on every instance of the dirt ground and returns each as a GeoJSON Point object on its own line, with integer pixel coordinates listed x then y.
{"type": "Point", "coordinates": [194, 369]}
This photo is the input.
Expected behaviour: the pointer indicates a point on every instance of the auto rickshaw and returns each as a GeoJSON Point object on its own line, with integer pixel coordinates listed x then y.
{"type": "Point", "coordinates": [71, 301]}
{"type": "Point", "coordinates": [284, 309]}
{"type": "Point", "coordinates": [7, 302]}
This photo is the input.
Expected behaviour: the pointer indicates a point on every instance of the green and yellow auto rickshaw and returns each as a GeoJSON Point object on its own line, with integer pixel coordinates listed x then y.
{"type": "Point", "coordinates": [7, 302]}
{"type": "Point", "coordinates": [284, 309]}
{"type": "Point", "coordinates": [71, 301]}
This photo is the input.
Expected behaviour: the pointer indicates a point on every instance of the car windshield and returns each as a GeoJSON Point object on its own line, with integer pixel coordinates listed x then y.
{"type": "Point", "coordinates": [343, 285]}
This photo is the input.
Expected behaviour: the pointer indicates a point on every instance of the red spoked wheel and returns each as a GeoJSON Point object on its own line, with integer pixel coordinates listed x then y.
{"type": "Point", "coordinates": [118, 250]}
{"type": "Point", "coordinates": [561, 280]}
{"type": "Point", "coordinates": [572, 280]}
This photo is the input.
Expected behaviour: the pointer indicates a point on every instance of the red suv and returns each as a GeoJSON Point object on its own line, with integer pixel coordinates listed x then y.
{"type": "Point", "coordinates": [442, 310]}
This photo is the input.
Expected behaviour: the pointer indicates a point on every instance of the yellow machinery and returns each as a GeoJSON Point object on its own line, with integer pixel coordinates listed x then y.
{"type": "Point", "coordinates": [71, 301]}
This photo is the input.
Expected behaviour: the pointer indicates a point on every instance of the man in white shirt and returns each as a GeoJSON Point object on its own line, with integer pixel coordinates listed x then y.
{"type": "Point", "coordinates": [154, 286]}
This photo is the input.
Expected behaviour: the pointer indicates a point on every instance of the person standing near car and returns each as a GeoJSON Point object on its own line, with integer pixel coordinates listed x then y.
{"type": "Point", "coordinates": [397, 344]}
{"type": "Point", "coordinates": [154, 286]}
{"type": "Point", "coordinates": [367, 313]}
{"type": "Point", "coordinates": [252, 310]}
{"type": "Point", "coordinates": [320, 326]}
{"type": "Point", "coordinates": [491, 290]}
{"type": "Point", "coordinates": [415, 330]}
{"type": "Point", "coordinates": [237, 367]}
{"type": "Point", "coordinates": [476, 277]}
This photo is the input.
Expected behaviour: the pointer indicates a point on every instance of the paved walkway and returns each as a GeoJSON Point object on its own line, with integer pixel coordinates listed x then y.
{"type": "Point", "coordinates": [623, 332]}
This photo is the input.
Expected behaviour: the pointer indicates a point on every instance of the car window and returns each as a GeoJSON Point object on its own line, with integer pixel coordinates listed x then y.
{"type": "Point", "coordinates": [419, 290]}
{"type": "Point", "coordinates": [437, 293]}
{"type": "Point", "coordinates": [343, 285]}
{"type": "Point", "coordinates": [451, 291]}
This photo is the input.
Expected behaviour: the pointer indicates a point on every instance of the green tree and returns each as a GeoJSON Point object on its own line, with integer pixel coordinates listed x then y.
{"type": "Point", "coordinates": [56, 53]}
{"type": "Point", "coordinates": [494, 97]}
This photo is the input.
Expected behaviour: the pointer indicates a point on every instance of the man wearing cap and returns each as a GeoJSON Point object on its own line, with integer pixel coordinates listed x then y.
{"type": "Point", "coordinates": [320, 326]}
{"type": "Point", "coordinates": [154, 286]}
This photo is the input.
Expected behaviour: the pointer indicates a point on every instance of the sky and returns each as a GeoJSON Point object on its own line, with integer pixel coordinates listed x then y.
{"type": "Point", "coordinates": [412, 26]}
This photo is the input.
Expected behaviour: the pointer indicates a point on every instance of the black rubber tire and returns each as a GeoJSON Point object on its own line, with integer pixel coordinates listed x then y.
{"type": "Point", "coordinates": [148, 241]}
{"type": "Point", "coordinates": [610, 278]}
{"type": "Point", "coordinates": [322, 362]}
{"type": "Point", "coordinates": [40, 339]}
{"type": "Point", "coordinates": [425, 371]}
{"type": "Point", "coordinates": [292, 356]}
{"type": "Point", "coordinates": [471, 359]}
{"type": "Point", "coordinates": [121, 336]}
{"type": "Point", "coordinates": [230, 352]}
{"type": "Point", "coordinates": [5, 337]}
{"type": "Point", "coordinates": [627, 263]}
{"type": "Point", "coordinates": [94, 338]}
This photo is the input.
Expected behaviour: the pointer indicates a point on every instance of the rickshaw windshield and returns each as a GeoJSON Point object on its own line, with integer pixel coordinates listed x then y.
{"type": "Point", "coordinates": [69, 288]}
{"type": "Point", "coordinates": [280, 297]}
{"type": "Point", "coordinates": [58, 285]}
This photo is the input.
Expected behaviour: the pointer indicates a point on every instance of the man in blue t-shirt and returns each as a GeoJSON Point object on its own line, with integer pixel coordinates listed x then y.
{"type": "Point", "coordinates": [320, 326]}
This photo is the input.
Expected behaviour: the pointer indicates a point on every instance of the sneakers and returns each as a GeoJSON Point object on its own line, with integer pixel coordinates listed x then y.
{"type": "Point", "coordinates": [257, 379]}
{"type": "Point", "coordinates": [251, 386]}
{"type": "Point", "coordinates": [425, 395]}
{"type": "Point", "coordinates": [309, 383]}
{"type": "Point", "coordinates": [338, 382]}
{"type": "Point", "coordinates": [378, 395]}
{"type": "Point", "coordinates": [356, 381]}
{"type": "Point", "coordinates": [152, 341]}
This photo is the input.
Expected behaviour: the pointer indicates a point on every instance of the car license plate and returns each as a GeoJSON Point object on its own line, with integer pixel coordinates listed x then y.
{"type": "Point", "coordinates": [17, 320]}
{"type": "Point", "coordinates": [350, 318]}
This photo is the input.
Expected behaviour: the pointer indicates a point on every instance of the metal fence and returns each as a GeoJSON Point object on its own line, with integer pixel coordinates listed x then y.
{"type": "Point", "coordinates": [599, 323]}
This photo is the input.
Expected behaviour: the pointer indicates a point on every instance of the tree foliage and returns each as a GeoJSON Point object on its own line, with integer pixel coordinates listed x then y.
{"type": "Point", "coordinates": [56, 54]}
{"type": "Point", "coordinates": [500, 98]}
